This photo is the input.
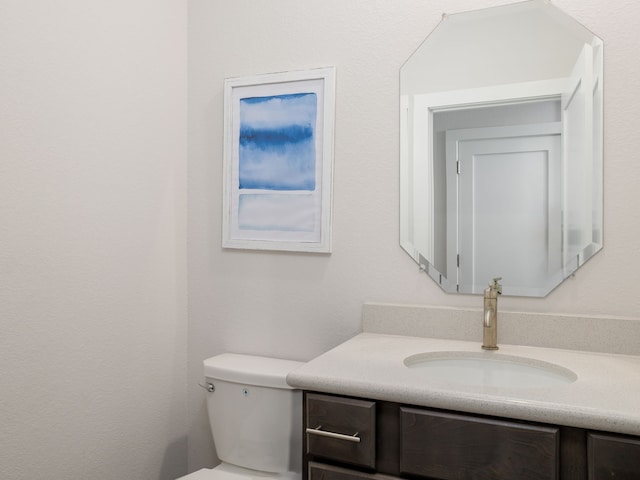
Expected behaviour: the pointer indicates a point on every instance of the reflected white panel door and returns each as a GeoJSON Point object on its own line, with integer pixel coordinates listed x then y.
{"type": "Point", "coordinates": [508, 207]}
{"type": "Point", "coordinates": [577, 121]}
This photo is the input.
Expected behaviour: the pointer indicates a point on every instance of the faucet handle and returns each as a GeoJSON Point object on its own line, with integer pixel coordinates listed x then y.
{"type": "Point", "coordinates": [495, 285]}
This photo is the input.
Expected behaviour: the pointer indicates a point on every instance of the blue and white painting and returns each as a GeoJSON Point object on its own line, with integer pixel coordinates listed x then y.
{"type": "Point", "coordinates": [278, 161]}
{"type": "Point", "coordinates": [277, 142]}
{"type": "Point", "coordinates": [277, 153]}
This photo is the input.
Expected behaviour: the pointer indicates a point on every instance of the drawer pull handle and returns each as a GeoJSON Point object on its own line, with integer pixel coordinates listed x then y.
{"type": "Point", "coordinates": [349, 438]}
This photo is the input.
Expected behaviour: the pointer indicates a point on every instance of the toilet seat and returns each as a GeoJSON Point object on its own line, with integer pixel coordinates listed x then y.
{"type": "Point", "coordinates": [226, 471]}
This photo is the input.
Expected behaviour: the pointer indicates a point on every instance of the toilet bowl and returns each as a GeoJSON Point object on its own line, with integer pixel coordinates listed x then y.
{"type": "Point", "coordinates": [255, 419]}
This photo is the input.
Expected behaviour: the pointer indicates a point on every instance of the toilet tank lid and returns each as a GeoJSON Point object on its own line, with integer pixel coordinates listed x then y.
{"type": "Point", "coordinates": [250, 370]}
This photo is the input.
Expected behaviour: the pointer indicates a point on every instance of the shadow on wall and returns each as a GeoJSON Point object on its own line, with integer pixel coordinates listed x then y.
{"type": "Point", "coordinates": [174, 464]}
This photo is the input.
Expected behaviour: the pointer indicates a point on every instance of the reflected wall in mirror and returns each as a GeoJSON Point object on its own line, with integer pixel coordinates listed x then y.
{"type": "Point", "coordinates": [501, 149]}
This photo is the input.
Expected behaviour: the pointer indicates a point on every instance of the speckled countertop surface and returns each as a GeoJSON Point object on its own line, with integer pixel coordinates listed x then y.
{"type": "Point", "coordinates": [605, 396]}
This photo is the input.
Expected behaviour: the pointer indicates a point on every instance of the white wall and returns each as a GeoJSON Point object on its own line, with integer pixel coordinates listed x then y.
{"type": "Point", "coordinates": [92, 239]}
{"type": "Point", "coordinates": [298, 305]}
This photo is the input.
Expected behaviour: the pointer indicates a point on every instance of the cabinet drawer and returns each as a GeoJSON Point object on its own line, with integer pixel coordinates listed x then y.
{"type": "Point", "coordinates": [341, 429]}
{"type": "Point", "coordinates": [613, 456]}
{"type": "Point", "coordinates": [455, 446]}
{"type": "Point", "coordinates": [319, 471]}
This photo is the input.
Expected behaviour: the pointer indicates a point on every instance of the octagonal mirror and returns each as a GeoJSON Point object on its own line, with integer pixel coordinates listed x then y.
{"type": "Point", "coordinates": [501, 149]}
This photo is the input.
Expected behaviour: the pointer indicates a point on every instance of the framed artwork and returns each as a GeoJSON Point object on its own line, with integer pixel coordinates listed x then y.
{"type": "Point", "coordinates": [278, 161]}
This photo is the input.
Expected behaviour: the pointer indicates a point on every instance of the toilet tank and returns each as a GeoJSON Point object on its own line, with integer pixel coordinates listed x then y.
{"type": "Point", "coordinates": [255, 416]}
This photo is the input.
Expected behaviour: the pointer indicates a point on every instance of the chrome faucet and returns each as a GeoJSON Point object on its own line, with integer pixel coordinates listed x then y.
{"type": "Point", "coordinates": [490, 327]}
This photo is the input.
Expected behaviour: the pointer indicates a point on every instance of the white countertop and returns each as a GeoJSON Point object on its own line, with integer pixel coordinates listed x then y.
{"type": "Point", "coordinates": [605, 396]}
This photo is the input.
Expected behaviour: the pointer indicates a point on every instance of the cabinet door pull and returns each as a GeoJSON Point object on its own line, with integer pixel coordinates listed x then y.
{"type": "Point", "coordinates": [349, 438]}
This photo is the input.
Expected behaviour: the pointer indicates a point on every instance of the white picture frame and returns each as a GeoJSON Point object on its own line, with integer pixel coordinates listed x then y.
{"type": "Point", "coordinates": [278, 161]}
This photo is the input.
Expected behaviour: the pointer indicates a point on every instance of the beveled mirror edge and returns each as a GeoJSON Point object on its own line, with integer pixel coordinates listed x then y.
{"type": "Point", "coordinates": [407, 196]}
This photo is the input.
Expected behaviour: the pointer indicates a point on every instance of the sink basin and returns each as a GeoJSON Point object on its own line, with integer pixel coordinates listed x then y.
{"type": "Point", "coordinates": [488, 369]}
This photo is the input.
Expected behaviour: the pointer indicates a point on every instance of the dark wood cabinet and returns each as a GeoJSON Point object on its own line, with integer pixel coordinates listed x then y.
{"type": "Point", "coordinates": [613, 457]}
{"type": "Point", "coordinates": [321, 471]}
{"type": "Point", "coordinates": [455, 446]}
{"type": "Point", "coordinates": [341, 429]}
{"type": "Point", "coordinates": [359, 439]}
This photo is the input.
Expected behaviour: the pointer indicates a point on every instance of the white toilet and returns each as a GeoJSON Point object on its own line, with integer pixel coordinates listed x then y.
{"type": "Point", "coordinates": [255, 417]}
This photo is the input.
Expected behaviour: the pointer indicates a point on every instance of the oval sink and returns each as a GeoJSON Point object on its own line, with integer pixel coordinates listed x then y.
{"type": "Point", "coordinates": [489, 369]}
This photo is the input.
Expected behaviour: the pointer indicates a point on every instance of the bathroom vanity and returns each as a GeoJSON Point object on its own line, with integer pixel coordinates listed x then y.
{"type": "Point", "coordinates": [374, 409]}
{"type": "Point", "coordinates": [407, 441]}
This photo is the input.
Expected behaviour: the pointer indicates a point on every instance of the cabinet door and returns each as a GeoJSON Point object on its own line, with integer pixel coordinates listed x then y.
{"type": "Point", "coordinates": [459, 447]}
{"type": "Point", "coordinates": [319, 471]}
{"type": "Point", "coordinates": [341, 429]}
{"type": "Point", "coordinates": [613, 457]}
